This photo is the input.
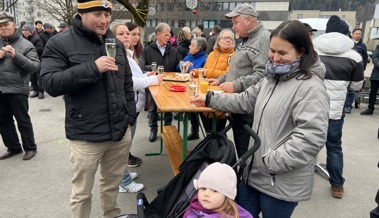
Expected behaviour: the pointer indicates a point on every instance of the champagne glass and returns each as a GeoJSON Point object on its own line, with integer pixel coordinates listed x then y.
{"type": "Point", "coordinates": [160, 69]}
{"type": "Point", "coordinates": [153, 66]}
{"type": "Point", "coordinates": [193, 87]}
{"type": "Point", "coordinates": [202, 74]}
{"type": "Point", "coordinates": [110, 47]}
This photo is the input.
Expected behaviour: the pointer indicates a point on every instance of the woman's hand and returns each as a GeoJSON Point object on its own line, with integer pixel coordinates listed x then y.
{"type": "Point", "coordinates": [152, 73]}
{"type": "Point", "coordinates": [199, 99]}
{"type": "Point", "coordinates": [192, 74]}
{"type": "Point", "coordinates": [160, 79]}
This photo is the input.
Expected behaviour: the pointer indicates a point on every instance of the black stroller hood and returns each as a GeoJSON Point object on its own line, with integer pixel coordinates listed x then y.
{"type": "Point", "coordinates": [214, 148]}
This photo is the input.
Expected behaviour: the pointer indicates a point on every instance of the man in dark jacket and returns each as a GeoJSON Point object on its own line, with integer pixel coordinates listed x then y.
{"type": "Point", "coordinates": [100, 107]}
{"type": "Point", "coordinates": [27, 32]}
{"type": "Point", "coordinates": [162, 53]}
{"type": "Point", "coordinates": [18, 59]}
{"type": "Point", "coordinates": [212, 40]}
{"type": "Point", "coordinates": [47, 33]}
{"type": "Point", "coordinates": [374, 80]}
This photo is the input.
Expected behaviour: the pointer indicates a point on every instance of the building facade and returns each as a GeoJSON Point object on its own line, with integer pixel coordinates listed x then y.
{"type": "Point", "coordinates": [210, 13]}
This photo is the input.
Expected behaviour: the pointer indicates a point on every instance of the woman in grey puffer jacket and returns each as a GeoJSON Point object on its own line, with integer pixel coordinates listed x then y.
{"type": "Point", "coordinates": [290, 107]}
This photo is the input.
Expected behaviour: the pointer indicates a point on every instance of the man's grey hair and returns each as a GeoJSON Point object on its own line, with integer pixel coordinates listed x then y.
{"type": "Point", "coordinates": [162, 27]}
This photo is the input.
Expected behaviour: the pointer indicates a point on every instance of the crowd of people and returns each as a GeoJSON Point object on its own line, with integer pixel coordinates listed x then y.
{"type": "Point", "coordinates": [293, 91]}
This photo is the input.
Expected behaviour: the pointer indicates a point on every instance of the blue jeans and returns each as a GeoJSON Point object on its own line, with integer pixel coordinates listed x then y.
{"type": "Point", "coordinates": [334, 155]}
{"type": "Point", "coordinates": [126, 180]}
{"type": "Point", "coordinates": [256, 202]}
{"type": "Point", "coordinates": [350, 99]}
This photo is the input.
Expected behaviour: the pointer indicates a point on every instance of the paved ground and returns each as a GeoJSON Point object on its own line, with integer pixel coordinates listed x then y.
{"type": "Point", "coordinates": [41, 187]}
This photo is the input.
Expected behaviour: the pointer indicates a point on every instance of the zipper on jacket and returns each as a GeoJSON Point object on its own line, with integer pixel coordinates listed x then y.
{"type": "Point", "coordinates": [273, 180]}
{"type": "Point", "coordinates": [259, 124]}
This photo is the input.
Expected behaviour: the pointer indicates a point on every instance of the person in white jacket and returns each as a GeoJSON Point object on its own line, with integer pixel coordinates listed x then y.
{"type": "Point", "coordinates": [140, 82]}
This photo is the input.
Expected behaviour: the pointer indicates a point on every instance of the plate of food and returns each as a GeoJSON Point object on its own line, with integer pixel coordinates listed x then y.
{"type": "Point", "coordinates": [176, 77]}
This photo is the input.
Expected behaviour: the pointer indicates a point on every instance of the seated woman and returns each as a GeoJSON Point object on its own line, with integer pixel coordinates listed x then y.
{"type": "Point", "coordinates": [196, 56]}
{"type": "Point", "coordinates": [217, 64]}
{"type": "Point", "coordinates": [140, 82]}
{"type": "Point", "coordinates": [291, 114]}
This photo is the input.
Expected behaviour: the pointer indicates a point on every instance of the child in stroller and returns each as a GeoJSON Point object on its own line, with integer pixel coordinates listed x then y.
{"type": "Point", "coordinates": [217, 188]}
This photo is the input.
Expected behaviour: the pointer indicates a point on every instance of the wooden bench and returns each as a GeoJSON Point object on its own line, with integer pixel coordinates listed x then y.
{"type": "Point", "coordinates": [174, 146]}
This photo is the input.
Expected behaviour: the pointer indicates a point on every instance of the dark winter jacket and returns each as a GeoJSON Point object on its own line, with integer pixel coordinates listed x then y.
{"type": "Point", "coordinates": [375, 61]}
{"type": "Point", "coordinates": [99, 107]}
{"type": "Point", "coordinates": [45, 36]}
{"type": "Point", "coordinates": [169, 60]}
{"type": "Point", "coordinates": [38, 44]}
{"type": "Point", "coordinates": [361, 48]}
{"type": "Point", "coordinates": [183, 49]}
{"type": "Point", "coordinates": [15, 72]}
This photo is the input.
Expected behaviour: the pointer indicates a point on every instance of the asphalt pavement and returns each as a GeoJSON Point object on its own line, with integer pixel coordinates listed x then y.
{"type": "Point", "coordinates": [41, 187]}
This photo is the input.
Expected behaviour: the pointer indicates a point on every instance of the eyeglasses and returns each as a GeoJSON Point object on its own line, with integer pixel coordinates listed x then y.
{"type": "Point", "coordinates": [226, 38]}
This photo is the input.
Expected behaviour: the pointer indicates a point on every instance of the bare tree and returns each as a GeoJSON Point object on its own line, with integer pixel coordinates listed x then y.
{"type": "Point", "coordinates": [8, 5]}
{"type": "Point", "coordinates": [60, 10]}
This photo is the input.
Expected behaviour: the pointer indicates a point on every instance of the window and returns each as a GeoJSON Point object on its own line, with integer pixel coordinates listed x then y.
{"type": "Point", "coordinates": [232, 5]}
{"type": "Point", "coordinates": [300, 16]}
{"type": "Point", "coordinates": [225, 6]}
{"type": "Point", "coordinates": [182, 23]}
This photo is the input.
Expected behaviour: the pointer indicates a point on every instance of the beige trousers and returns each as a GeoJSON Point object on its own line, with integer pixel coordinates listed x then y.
{"type": "Point", "coordinates": [86, 157]}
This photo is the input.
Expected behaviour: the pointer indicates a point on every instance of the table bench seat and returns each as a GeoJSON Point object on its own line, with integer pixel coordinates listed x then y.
{"type": "Point", "coordinates": [174, 146]}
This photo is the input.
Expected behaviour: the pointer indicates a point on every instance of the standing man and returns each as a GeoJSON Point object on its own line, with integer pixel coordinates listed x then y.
{"type": "Point", "coordinates": [212, 40]}
{"type": "Point", "coordinates": [344, 69]}
{"type": "Point", "coordinates": [247, 67]}
{"type": "Point", "coordinates": [38, 28]}
{"type": "Point", "coordinates": [27, 32]}
{"type": "Point", "coordinates": [62, 27]}
{"type": "Point", "coordinates": [162, 53]}
{"type": "Point", "coordinates": [361, 48]}
{"type": "Point", "coordinates": [100, 108]}
{"type": "Point", "coordinates": [18, 59]}
{"type": "Point", "coordinates": [310, 30]}
{"type": "Point", "coordinates": [47, 34]}
{"type": "Point", "coordinates": [374, 80]}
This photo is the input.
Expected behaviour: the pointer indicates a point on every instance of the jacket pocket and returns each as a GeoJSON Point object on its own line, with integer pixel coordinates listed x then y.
{"type": "Point", "coordinates": [79, 57]}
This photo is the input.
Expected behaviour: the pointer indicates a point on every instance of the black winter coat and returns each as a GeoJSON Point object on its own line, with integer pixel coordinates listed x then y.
{"type": "Point", "coordinates": [183, 49]}
{"type": "Point", "coordinates": [99, 107]}
{"type": "Point", "coordinates": [169, 60]}
{"type": "Point", "coordinates": [38, 44]}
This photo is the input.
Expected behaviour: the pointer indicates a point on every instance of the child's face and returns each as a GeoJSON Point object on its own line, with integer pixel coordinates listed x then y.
{"type": "Point", "coordinates": [210, 199]}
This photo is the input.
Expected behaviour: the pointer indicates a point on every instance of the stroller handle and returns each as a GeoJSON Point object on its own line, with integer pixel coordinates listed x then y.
{"type": "Point", "coordinates": [257, 143]}
{"type": "Point", "coordinates": [141, 203]}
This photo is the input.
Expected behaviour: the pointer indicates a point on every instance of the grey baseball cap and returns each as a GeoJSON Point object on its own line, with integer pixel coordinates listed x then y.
{"type": "Point", "coordinates": [244, 8]}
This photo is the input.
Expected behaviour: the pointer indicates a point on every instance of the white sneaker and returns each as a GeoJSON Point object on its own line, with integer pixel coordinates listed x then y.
{"type": "Point", "coordinates": [133, 175]}
{"type": "Point", "coordinates": [131, 188]}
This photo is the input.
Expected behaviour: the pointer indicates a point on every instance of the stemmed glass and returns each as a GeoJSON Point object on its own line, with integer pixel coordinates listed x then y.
{"type": "Point", "coordinates": [110, 47]}
{"type": "Point", "coordinates": [193, 87]}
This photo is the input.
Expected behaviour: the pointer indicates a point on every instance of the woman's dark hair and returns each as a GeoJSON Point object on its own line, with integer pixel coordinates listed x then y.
{"type": "Point", "coordinates": [137, 48]}
{"type": "Point", "coordinates": [295, 33]}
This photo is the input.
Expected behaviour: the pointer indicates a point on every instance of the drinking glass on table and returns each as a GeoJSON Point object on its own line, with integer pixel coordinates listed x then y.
{"type": "Point", "coordinates": [153, 66]}
{"type": "Point", "coordinates": [202, 74]}
{"type": "Point", "coordinates": [182, 67]}
{"type": "Point", "coordinates": [160, 70]}
{"type": "Point", "coordinates": [193, 87]}
{"type": "Point", "coordinates": [110, 47]}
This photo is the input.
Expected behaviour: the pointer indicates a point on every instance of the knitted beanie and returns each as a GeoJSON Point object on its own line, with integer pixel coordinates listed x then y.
{"type": "Point", "coordinates": [219, 177]}
{"type": "Point", "coordinates": [95, 5]}
{"type": "Point", "coordinates": [335, 24]}
{"type": "Point", "coordinates": [27, 27]}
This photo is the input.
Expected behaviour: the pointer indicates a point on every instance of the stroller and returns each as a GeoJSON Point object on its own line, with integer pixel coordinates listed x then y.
{"type": "Point", "coordinates": [175, 197]}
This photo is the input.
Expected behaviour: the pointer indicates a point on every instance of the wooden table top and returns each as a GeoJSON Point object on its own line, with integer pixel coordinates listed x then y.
{"type": "Point", "coordinates": [170, 101]}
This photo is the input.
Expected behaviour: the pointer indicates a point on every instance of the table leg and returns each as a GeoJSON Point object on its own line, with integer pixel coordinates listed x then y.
{"type": "Point", "coordinates": [161, 149]}
{"type": "Point", "coordinates": [185, 133]}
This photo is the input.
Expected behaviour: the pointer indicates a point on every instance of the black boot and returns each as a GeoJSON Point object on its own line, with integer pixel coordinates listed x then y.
{"type": "Point", "coordinates": [40, 95]}
{"type": "Point", "coordinates": [193, 135]}
{"type": "Point", "coordinates": [368, 111]}
{"type": "Point", "coordinates": [35, 94]}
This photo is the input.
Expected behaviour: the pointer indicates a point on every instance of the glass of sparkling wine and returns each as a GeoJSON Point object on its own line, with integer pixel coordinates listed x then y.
{"type": "Point", "coordinates": [193, 87]}
{"type": "Point", "coordinates": [202, 74]}
{"type": "Point", "coordinates": [153, 66]}
{"type": "Point", "coordinates": [110, 47]}
{"type": "Point", "coordinates": [160, 70]}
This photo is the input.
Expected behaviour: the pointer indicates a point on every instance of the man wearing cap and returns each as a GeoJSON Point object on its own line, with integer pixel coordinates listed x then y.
{"type": "Point", "coordinates": [62, 27]}
{"type": "Point", "coordinates": [310, 30]}
{"type": "Point", "coordinates": [47, 33]}
{"type": "Point", "coordinates": [344, 69]}
{"type": "Point", "coordinates": [27, 32]}
{"type": "Point", "coordinates": [99, 99]}
{"type": "Point", "coordinates": [18, 59]}
{"type": "Point", "coordinates": [247, 67]}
